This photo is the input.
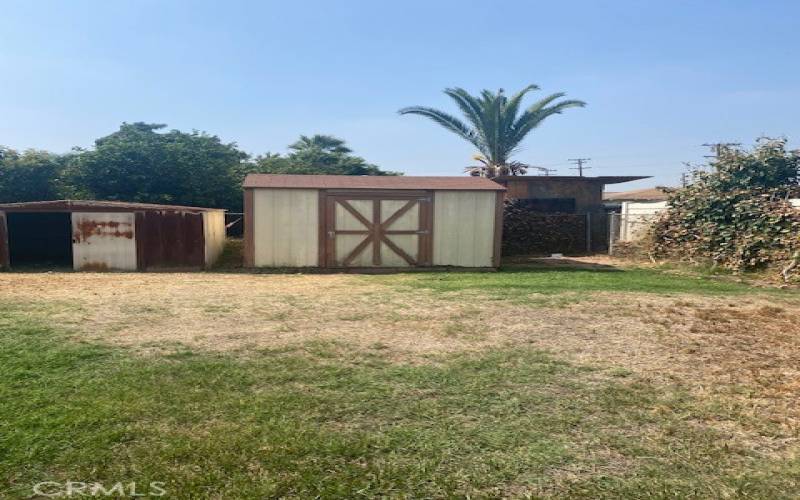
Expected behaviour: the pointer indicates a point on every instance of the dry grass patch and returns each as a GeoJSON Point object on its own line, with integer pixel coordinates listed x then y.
{"type": "Point", "coordinates": [695, 388]}
{"type": "Point", "coordinates": [235, 312]}
{"type": "Point", "coordinates": [742, 353]}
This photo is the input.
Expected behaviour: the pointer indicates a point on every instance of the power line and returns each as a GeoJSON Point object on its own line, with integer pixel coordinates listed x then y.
{"type": "Point", "coordinates": [579, 162]}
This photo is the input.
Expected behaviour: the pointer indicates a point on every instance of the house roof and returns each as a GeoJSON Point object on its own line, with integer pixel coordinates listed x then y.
{"type": "Point", "coordinates": [649, 194]}
{"type": "Point", "coordinates": [95, 205]}
{"type": "Point", "coordinates": [463, 183]}
{"type": "Point", "coordinates": [602, 179]}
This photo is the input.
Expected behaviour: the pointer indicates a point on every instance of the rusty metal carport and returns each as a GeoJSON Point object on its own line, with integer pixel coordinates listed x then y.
{"type": "Point", "coordinates": [107, 235]}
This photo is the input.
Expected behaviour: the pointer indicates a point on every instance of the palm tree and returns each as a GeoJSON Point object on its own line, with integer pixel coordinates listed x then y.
{"type": "Point", "coordinates": [319, 142]}
{"type": "Point", "coordinates": [495, 124]}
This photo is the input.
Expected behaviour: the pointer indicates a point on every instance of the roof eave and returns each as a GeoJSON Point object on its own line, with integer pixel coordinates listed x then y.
{"type": "Point", "coordinates": [605, 179]}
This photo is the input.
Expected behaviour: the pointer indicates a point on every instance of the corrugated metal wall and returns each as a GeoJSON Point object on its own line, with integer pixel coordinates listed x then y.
{"type": "Point", "coordinates": [463, 228]}
{"type": "Point", "coordinates": [214, 234]}
{"type": "Point", "coordinates": [170, 240]}
{"type": "Point", "coordinates": [103, 241]}
{"type": "Point", "coordinates": [285, 227]}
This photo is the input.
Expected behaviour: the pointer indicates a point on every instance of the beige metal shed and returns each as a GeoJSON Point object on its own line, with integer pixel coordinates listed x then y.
{"type": "Point", "coordinates": [368, 222]}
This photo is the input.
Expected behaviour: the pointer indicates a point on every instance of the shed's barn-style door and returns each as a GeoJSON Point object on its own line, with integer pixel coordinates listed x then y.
{"type": "Point", "coordinates": [378, 230]}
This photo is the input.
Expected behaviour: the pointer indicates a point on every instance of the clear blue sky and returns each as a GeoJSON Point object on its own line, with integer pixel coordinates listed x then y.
{"type": "Point", "coordinates": [661, 78]}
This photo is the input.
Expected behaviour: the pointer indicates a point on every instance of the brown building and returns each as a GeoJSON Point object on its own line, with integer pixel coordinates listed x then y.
{"type": "Point", "coordinates": [568, 195]}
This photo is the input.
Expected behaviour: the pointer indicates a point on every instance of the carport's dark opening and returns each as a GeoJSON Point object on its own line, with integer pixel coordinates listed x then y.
{"type": "Point", "coordinates": [40, 239]}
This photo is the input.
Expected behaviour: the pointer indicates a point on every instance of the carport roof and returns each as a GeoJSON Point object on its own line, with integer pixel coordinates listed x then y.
{"type": "Point", "coordinates": [94, 206]}
{"type": "Point", "coordinates": [452, 183]}
{"type": "Point", "coordinates": [601, 179]}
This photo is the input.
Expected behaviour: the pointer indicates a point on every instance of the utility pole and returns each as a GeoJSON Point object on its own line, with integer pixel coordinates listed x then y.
{"type": "Point", "coordinates": [717, 147]}
{"type": "Point", "coordinates": [579, 162]}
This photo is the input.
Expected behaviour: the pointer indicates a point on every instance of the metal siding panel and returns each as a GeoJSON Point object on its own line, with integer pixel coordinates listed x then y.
{"type": "Point", "coordinates": [214, 236]}
{"type": "Point", "coordinates": [286, 227]}
{"type": "Point", "coordinates": [141, 240]}
{"type": "Point", "coordinates": [173, 240]}
{"type": "Point", "coordinates": [497, 250]}
{"type": "Point", "coordinates": [464, 228]}
{"type": "Point", "coordinates": [103, 241]}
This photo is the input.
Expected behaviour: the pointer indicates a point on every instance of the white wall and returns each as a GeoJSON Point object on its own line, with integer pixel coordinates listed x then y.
{"type": "Point", "coordinates": [285, 227]}
{"type": "Point", "coordinates": [103, 241]}
{"type": "Point", "coordinates": [214, 234]}
{"type": "Point", "coordinates": [463, 228]}
{"type": "Point", "coordinates": [636, 217]}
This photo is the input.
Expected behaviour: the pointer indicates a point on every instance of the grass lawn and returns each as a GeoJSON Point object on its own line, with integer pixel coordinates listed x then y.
{"type": "Point", "coordinates": [429, 385]}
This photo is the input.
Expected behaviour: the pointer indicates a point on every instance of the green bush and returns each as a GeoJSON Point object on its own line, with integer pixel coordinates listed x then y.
{"type": "Point", "coordinates": [736, 214]}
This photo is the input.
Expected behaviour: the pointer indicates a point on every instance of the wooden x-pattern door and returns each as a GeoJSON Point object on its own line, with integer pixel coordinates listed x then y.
{"type": "Point", "coordinates": [378, 230]}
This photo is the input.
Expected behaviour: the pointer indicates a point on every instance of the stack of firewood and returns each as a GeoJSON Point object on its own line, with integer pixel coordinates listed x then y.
{"type": "Point", "coordinates": [528, 232]}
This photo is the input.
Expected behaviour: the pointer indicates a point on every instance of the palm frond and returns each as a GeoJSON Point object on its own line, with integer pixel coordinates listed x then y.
{"type": "Point", "coordinates": [468, 105]}
{"type": "Point", "coordinates": [447, 121]}
{"type": "Point", "coordinates": [493, 104]}
{"type": "Point", "coordinates": [512, 107]}
{"type": "Point", "coordinates": [544, 102]}
{"type": "Point", "coordinates": [536, 114]}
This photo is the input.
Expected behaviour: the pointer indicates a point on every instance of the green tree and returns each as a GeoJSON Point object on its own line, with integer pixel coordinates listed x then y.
{"type": "Point", "coordinates": [318, 154]}
{"type": "Point", "coordinates": [138, 163]}
{"type": "Point", "coordinates": [495, 124]}
{"type": "Point", "coordinates": [30, 176]}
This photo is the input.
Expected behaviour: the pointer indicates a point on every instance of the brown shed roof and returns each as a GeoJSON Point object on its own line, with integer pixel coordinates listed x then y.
{"type": "Point", "coordinates": [93, 205]}
{"type": "Point", "coordinates": [464, 183]}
